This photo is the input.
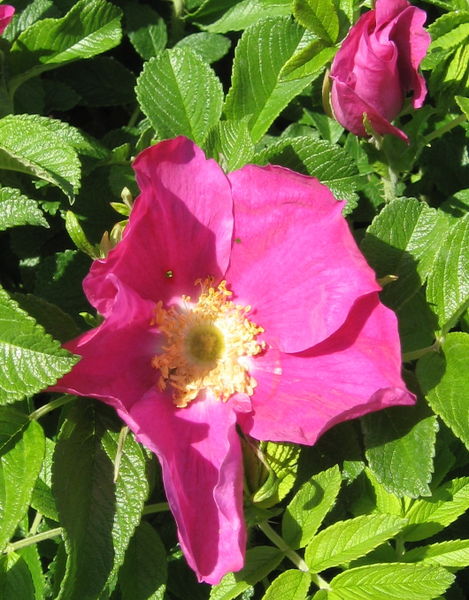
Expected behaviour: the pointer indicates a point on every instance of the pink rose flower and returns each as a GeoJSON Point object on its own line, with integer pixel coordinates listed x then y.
{"type": "Point", "coordinates": [377, 65]}
{"type": "Point", "coordinates": [6, 15]}
{"type": "Point", "coordinates": [237, 299]}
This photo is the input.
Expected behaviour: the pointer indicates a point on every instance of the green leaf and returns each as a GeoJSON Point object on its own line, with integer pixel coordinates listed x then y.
{"type": "Point", "coordinates": [248, 12]}
{"type": "Point", "coordinates": [417, 322]}
{"type": "Point", "coordinates": [143, 574]}
{"type": "Point", "coordinates": [345, 541]}
{"type": "Point", "coordinates": [15, 579]}
{"type": "Point", "coordinates": [54, 320]}
{"type": "Point", "coordinates": [257, 90]}
{"type": "Point", "coordinates": [31, 557]}
{"type": "Point", "coordinates": [443, 379]}
{"type": "Point", "coordinates": [229, 142]}
{"type": "Point", "coordinates": [78, 236]}
{"type": "Point", "coordinates": [26, 16]}
{"type": "Point", "coordinates": [448, 32]}
{"type": "Point", "coordinates": [283, 460]}
{"type": "Point", "coordinates": [42, 499]}
{"type": "Point", "coordinates": [22, 450]}
{"type": "Point", "coordinates": [448, 282]}
{"type": "Point", "coordinates": [29, 145]}
{"type": "Point", "coordinates": [429, 516]}
{"type": "Point", "coordinates": [16, 209]}
{"type": "Point", "coordinates": [180, 94]}
{"type": "Point", "coordinates": [312, 55]}
{"type": "Point", "coordinates": [390, 582]}
{"type": "Point", "coordinates": [463, 104]}
{"type": "Point", "coordinates": [209, 46]}
{"type": "Point", "coordinates": [291, 584]}
{"type": "Point", "coordinates": [31, 360]}
{"type": "Point", "coordinates": [260, 561]}
{"type": "Point", "coordinates": [386, 502]}
{"type": "Point", "coordinates": [146, 29]}
{"type": "Point", "coordinates": [400, 444]}
{"type": "Point", "coordinates": [98, 516]}
{"type": "Point", "coordinates": [319, 16]}
{"type": "Point", "coordinates": [89, 28]}
{"type": "Point", "coordinates": [332, 165]}
{"type": "Point", "coordinates": [453, 554]}
{"type": "Point", "coordinates": [309, 506]}
{"type": "Point", "coordinates": [403, 240]}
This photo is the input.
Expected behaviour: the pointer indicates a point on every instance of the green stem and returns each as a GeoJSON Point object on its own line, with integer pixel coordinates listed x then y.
{"type": "Point", "coordinates": [444, 129]}
{"type": "Point", "coordinates": [155, 508]}
{"type": "Point", "coordinates": [134, 117]}
{"type": "Point", "coordinates": [33, 539]}
{"type": "Point", "coordinates": [177, 24]}
{"type": "Point", "coordinates": [36, 522]}
{"type": "Point", "coordinates": [415, 354]}
{"type": "Point", "coordinates": [50, 406]}
{"type": "Point", "coordinates": [283, 546]}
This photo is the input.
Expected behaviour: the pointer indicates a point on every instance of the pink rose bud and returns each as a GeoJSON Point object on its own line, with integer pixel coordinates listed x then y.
{"type": "Point", "coordinates": [377, 66]}
{"type": "Point", "coordinates": [6, 15]}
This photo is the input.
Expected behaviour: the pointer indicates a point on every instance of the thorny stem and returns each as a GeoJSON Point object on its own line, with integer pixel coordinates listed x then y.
{"type": "Point", "coordinates": [50, 406]}
{"type": "Point", "coordinates": [155, 508]}
{"type": "Point", "coordinates": [444, 129]}
{"type": "Point", "coordinates": [33, 539]}
{"type": "Point", "coordinates": [291, 554]}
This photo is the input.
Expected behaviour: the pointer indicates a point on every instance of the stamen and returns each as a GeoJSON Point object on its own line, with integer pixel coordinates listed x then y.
{"type": "Point", "coordinates": [206, 346]}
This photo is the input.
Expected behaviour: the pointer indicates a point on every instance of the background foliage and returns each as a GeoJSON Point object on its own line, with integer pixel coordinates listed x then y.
{"type": "Point", "coordinates": [376, 509]}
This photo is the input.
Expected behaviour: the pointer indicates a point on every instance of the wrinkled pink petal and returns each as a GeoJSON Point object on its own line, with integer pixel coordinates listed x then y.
{"type": "Point", "coordinates": [412, 50]}
{"type": "Point", "coordinates": [356, 371]}
{"type": "Point", "coordinates": [115, 364]}
{"type": "Point", "coordinates": [294, 260]}
{"type": "Point", "coordinates": [182, 222]}
{"type": "Point", "coordinates": [200, 455]}
{"type": "Point", "coordinates": [377, 65]}
{"type": "Point", "coordinates": [349, 109]}
{"type": "Point", "coordinates": [6, 15]}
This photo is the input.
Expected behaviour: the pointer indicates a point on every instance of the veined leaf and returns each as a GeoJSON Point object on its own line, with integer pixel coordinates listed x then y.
{"type": "Point", "coordinates": [146, 29]}
{"type": "Point", "coordinates": [229, 142]}
{"type": "Point", "coordinates": [319, 16]}
{"type": "Point", "coordinates": [400, 445]}
{"type": "Point", "coordinates": [453, 554]}
{"type": "Point", "coordinates": [443, 379]}
{"type": "Point", "coordinates": [16, 209]}
{"type": "Point", "coordinates": [31, 360]}
{"type": "Point", "coordinates": [309, 506]}
{"type": "Point", "coordinates": [31, 557]}
{"type": "Point", "coordinates": [143, 574]}
{"type": "Point", "coordinates": [22, 450]}
{"type": "Point", "coordinates": [29, 145]}
{"type": "Point", "coordinates": [429, 516]}
{"type": "Point", "coordinates": [180, 94]}
{"type": "Point", "coordinates": [248, 12]}
{"type": "Point", "coordinates": [332, 165]}
{"type": "Point", "coordinates": [257, 89]}
{"type": "Point", "coordinates": [292, 584]}
{"type": "Point", "coordinates": [15, 579]}
{"type": "Point", "coordinates": [403, 240]}
{"type": "Point", "coordinates": [209, 46]}
{"type": "Point", "coordinates": [345, 541]}
{"type": "Point", "coordinates": [448, 282]}
{"type": "Point", "coordinates": [260, 561]}
{"type": "Point", "coordinates": [391, 582]}
{"type": "Point", "coordinates": [89, 28]}
{"type": "Point", "coordinates": [98, 516]}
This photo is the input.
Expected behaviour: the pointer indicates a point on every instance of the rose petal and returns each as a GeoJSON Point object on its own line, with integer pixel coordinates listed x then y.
{"type": "Point", "coordinates": [350, 108]}
{"type": "Point", "coordinates": [116, 356]}
{"type": "Point", "coordinates": [294, 259]}
{"type": "Point", "coordinates": [6, 15]}
{"type": "Point", "coordinates": [356, 371]}
{"type": "Point", "coordinates": [200, 455]}
{"type": "Point", "coordinates": [181, 223]}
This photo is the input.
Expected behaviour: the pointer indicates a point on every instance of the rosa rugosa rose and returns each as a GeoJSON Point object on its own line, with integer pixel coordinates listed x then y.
{"type": "Point", "coordinates": [377, 65]}
{"type": "Point", "coordinates": [232, 300]}
{"type": "Point", "coordinates": [6, 15]}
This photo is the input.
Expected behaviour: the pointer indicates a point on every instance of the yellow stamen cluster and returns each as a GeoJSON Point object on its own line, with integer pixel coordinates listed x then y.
{"type": "Point", "coordinates": [206, 346]}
